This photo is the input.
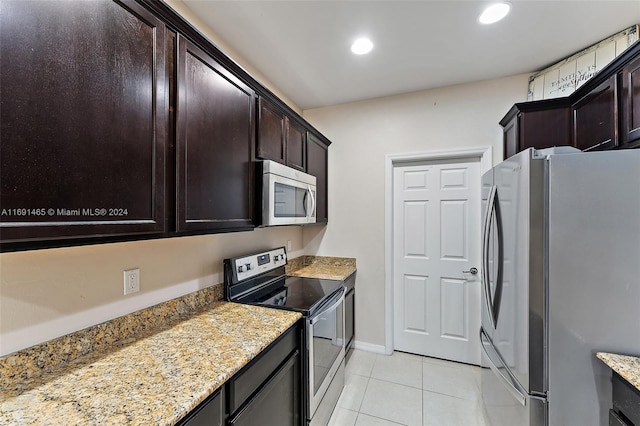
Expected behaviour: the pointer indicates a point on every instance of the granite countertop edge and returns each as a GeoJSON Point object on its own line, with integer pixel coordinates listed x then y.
{"type": "Point", "coordinates": [627, 366]}
{"type": "Point", "coordinates": [157, 378]}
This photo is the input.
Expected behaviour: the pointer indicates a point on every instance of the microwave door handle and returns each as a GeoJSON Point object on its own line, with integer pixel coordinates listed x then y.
{"type": "Point", "coordinates": [313, 203]}
{"type": "Point", "coordinates": [304, 204]}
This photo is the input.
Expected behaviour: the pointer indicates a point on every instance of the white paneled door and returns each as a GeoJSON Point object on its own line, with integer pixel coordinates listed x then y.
{"type": "Point", "coordinates": [436, 238]}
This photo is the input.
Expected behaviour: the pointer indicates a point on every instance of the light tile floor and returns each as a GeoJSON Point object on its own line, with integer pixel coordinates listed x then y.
{"type": "Point", "coordinates": [406, 389]}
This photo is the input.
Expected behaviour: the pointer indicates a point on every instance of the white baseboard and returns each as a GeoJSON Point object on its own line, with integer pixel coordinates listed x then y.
{"type": "Point", "coordinates": [370, 347]}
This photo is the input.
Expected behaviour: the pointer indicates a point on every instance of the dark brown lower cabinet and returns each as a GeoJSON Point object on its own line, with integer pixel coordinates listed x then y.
{"type": "Point", "coordinates": [278, 401]}
{"type": "Point", "coordinates": [209, 413]}
{"type": "Point", "coordinates": [626, 402]}
{"type": "Point", "coordinates": [215, 143]}
{"type": "Point", "coordinates": [82, 120]}
{"type": "Point", "coordinates": [350, 315]}
{"type": "Point", "coordinates": [267, 391]}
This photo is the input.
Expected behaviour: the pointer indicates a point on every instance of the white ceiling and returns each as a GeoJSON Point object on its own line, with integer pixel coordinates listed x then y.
{"type": "Point", "coordinates": [303, 46]}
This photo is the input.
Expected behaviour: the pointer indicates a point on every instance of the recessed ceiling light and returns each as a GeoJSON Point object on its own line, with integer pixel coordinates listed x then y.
{"type": "Point", "coordinates": [362, 46]}
{"type": "Point", "coordinates": [494, 13]}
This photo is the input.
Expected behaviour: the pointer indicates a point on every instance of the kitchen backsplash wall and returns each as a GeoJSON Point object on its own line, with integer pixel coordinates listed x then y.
{"type": "Point", "coordinates": [45, 294]}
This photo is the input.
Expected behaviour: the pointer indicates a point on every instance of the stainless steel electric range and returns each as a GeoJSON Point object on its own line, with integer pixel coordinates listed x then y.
{"type": "Point", "coordinates": [260, 279]}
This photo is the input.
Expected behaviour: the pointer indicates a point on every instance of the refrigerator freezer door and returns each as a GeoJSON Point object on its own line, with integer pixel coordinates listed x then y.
{"type": "Point", "coordinates": [594, 285]}
{"type": "Point", "coordinates": [513, 278]}
{"type": "Point", "coordinates": [505, 401]}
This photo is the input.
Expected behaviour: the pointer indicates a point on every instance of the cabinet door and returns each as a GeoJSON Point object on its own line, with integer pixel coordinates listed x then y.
{"type": "Point", "coordinates": [510, 138]}
{"type": "Point", "coordinates": [349, 318]}
{"type": "Point", "coordinates": [630, 105]}
{"type": "Point", "coordinates": [214, 144]}
{"type": "Point", "coordinates": [82, 120]}
{"type": "Point", "coordinates": [544, 129]}
{"type": "Point", "coordinates": [626, 399]}
{"type": "Point", "coordinates": [271, 132]}
{"type": "Point", "coordinates": [537, 124]}
{"type": "Point", "coordinates": [278, 402]}
{"type": "Point", "coordinates": [209, 413]}
{"type": "Point", "coordinates": [317, 161]}
{"type": "Point", "coordinates": [595, 118]}
{"type": "Point", "coordinates": [296, 145]}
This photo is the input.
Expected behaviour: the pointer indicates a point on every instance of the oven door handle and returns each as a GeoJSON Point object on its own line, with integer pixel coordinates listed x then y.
{"type": "Point", "coordinates": [333, 303]}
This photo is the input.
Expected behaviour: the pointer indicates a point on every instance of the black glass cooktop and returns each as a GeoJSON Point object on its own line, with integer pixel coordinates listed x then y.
{"type": "Point", "coordinates": [297, 294]}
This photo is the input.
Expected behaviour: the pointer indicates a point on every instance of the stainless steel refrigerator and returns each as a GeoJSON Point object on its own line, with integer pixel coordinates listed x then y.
{"type": "Point", "coordinates": [561, 281]}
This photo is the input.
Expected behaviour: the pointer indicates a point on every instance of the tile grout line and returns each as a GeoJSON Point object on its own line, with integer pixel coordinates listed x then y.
{"type": "Point", "coordinates": [376, 361]}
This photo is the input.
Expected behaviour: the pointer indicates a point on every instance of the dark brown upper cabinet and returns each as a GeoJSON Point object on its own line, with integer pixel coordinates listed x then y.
{"type": "Point", "coordinates": [215, 143]}
{"type": "Point", "coordinates": [539, 124]}
{"type": "Point", "coordinates": [83, 120]}
{"type": "Point", "coordinates": [271, 132]}
{"type": "Point", "coordinates": [296, 145]}
{"type": "Point", "coordinates": [603, 113]}
{"type": "Point", "coordinates": [119, 121]}
{"type": "Point", "coordinates": [317, 162]}
{"type": "Point", "coordinates": [630, 105]}
{"type": "Point", "coordinates": [280, 138]}
{"type": "Point", "coordinates": [595, 118]}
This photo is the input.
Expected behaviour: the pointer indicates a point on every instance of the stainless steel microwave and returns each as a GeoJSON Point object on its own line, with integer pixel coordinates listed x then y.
{"type": "Point", "coordinates": [288, 195]}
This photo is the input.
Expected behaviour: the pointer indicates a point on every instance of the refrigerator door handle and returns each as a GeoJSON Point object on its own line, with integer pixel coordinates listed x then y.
{"type": "Point", "coordinates": [485, 252]}
{"type": "Point", "coordinates": [497, 296]}
{"type": "Point", "coordinates": [509, 382]}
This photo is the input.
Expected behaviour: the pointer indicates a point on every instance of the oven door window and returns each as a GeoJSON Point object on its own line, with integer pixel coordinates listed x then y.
{"type": "Point", "coordinates": [290, 201]}
{"type": "Point", "coordinates": [328, 341]}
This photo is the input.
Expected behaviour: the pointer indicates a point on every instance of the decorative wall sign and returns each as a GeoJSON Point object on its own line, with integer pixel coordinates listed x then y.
{"type": "Point", "coordinates": [564, 77]}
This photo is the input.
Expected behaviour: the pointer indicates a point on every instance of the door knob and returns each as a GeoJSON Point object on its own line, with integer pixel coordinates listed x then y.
{"type": "Point", "coordinates": [471, 271]}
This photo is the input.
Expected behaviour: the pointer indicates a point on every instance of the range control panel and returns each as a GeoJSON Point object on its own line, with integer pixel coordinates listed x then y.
{"type": "Point", "coordinates": [249, 266]}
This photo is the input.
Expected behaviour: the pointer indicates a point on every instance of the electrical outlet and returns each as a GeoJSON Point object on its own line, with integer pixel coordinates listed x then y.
{"type": "Point", "coordinates": [131, 281]}
{"type": "Point", "coordinates": [288, 245]}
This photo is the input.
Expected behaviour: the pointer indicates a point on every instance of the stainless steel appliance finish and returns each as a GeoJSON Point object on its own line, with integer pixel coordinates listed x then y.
{"type": "Point", "coordinates": [561, 241]}
{"type": "Point", "coordinates": [326, 349]}
{"type": "Point", "coordinates": [288, 195]}
{"type": "Point", "coordinates": [260, 279]}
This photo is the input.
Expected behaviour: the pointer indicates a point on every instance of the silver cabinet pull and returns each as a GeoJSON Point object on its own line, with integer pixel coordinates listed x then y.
{"type": "Point", "coordinates": [471, 271]}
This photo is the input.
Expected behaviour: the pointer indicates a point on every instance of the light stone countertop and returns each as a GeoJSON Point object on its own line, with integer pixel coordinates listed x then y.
{"type": "Point", "coordinates": [328, 268]}
{"type": "Point", "coordinates": [154, 379]}
{"type": "Point", "coordinates": [628, 367]}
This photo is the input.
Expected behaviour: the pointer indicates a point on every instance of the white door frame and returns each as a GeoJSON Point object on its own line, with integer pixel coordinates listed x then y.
{"type": "Point", "coordinates": [485, 154]}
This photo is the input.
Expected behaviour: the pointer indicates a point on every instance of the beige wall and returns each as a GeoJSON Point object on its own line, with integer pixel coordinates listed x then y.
{"type": "Point", "coordinates": [48, 293]}
{"type": "Point", "coordinates": [363, 133]}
